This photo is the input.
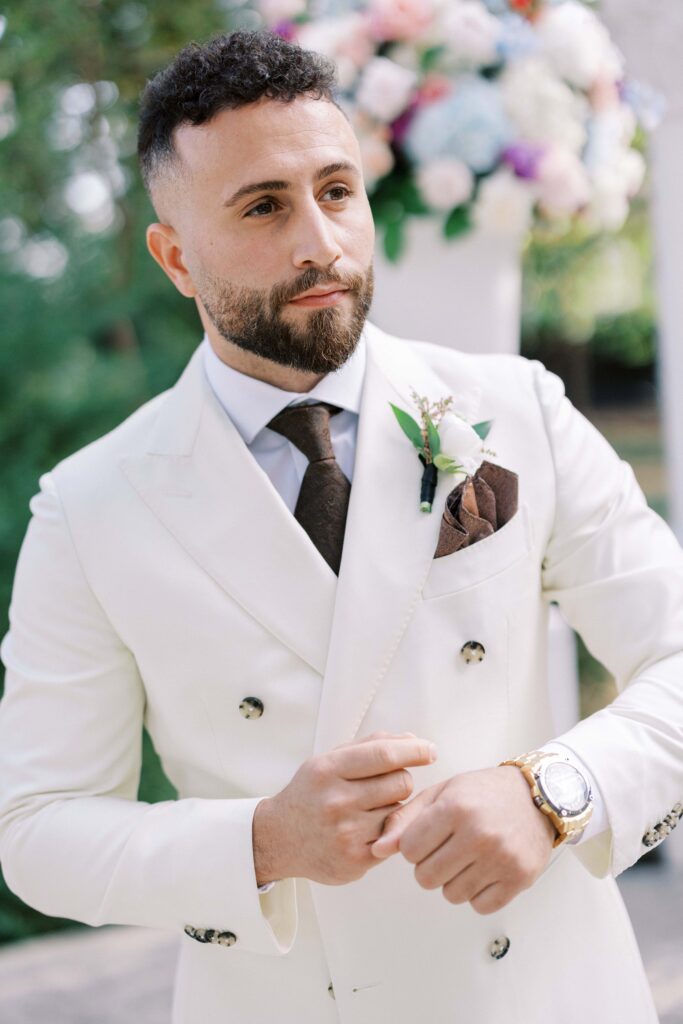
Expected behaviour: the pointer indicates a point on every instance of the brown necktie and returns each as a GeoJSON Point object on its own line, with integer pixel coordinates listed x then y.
{"type": "Point", "coordinates": [324, 496]}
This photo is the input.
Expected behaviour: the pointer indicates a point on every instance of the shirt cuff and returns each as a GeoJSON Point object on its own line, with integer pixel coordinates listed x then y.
{"type": "Point", "coordinates": [599, 821]}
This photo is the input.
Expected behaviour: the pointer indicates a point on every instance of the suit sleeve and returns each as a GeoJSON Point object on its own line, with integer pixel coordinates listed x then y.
{"type": "Point", "coordinates": [616, 571]}
{"type": "Point", "coordinates": [74, 840]}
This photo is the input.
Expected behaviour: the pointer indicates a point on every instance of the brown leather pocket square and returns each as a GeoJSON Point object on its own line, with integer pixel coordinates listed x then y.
{"type": "Point", "coordinates": [477, 507]}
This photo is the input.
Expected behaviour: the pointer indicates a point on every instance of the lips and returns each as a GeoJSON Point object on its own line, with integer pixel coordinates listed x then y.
{"type": "Point", "coordinates": [331, 297]}
{"type": "Point", "coordinates": [315, 292]}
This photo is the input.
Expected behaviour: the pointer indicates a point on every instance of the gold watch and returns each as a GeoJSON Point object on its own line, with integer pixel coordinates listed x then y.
{"type": "Point", "coordinates": [559, 790]}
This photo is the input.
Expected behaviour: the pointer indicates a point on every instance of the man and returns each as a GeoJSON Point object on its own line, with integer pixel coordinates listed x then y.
{"type": "Point", "coordinates": [186, 571]}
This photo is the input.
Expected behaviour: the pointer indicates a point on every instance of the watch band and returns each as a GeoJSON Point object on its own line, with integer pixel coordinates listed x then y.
{"type": "Point", "coordinates": [568, 827]}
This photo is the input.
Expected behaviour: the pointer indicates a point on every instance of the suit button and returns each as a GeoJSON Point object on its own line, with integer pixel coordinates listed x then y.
{"type": "Point", "coordinates": [331, 990]}
{"type": "Point", "coordinates": [251, 707]}
{"type": "Point", "coordinates": [472, 651]}
{"type": "Point", "coordinates": [499, 947]}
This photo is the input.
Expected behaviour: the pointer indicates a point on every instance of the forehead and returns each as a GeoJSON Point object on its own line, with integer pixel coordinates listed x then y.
{"type": "Point", "coordinates": [265, 138]}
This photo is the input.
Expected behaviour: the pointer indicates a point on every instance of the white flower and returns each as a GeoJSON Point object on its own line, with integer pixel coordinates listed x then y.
{"type": "Point", "coordinates": [385, 88]}
{"type": "Point", "coordinates": [461, 442]}
{"type": "Point", "coordinates": [471, 33]}
{"type": "Point", "coordinates": [504, 204]}
{"type": "Point", "coordinates": [577, 44]}
{"type": "Point", "coordinates": [613, 185]}
{"type": "Point", "coordinates": [563, 183]}
{"type": "Point", "coordinates": [344, 39]}
{"type": "Point", "coordinates": [608, 209]}
{"type": "Point", "coordinates": [543, 108]}
{"type": "Point", "coordinates": [445, 183]}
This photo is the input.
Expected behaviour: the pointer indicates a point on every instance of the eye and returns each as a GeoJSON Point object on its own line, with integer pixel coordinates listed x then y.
{"type": "Point", "coordinates": [340, 188]}
{"type": "Point", "coordinates": [264, 202]}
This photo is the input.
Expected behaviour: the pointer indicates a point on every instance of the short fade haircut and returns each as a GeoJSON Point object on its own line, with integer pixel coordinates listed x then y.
{"type": "Point", "coordinates": [227, 72]}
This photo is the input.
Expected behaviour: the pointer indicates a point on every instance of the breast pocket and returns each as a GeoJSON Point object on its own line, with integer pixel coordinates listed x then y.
{"type": "Point", "coordinates": [481, 561]}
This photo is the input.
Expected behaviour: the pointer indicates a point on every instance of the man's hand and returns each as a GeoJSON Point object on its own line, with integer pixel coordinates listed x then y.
{"type": "Point", "coordinates": [321, 825]}
{"type": "Point", "coordinates": [478, 834]}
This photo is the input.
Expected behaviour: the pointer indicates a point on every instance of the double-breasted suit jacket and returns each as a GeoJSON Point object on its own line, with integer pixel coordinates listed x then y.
{"type": "Point", "coordinates": [163, 580]}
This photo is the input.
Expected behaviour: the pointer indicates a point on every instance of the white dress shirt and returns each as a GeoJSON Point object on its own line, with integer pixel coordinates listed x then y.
{"type": "Point", "coordinates": [252, 403]}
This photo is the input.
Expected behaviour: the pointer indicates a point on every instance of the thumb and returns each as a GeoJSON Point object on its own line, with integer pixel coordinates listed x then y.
{"type": "Point", "coordinates": [397, 822]}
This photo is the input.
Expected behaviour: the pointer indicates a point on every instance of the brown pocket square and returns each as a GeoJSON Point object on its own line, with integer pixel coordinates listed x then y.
{"type": "Point", "coordinates": [477, 507]}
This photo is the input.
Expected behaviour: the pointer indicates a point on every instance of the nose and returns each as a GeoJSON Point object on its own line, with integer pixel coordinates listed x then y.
{"type": "Point", "coordinates": [315, 240]}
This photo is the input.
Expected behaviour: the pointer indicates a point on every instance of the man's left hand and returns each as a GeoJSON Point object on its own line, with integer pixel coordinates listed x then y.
{"type": "Point", "coordinates": [478, 835]}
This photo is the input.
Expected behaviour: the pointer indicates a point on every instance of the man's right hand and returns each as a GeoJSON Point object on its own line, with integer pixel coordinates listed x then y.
{"type": "Point", "coordinates": [322, 824]}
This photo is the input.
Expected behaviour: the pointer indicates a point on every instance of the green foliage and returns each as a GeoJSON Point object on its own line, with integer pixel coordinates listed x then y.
{"type": "Point", "coordinates": [458, 222]}
{"type": "Point", "coordinates": [483, 428]}
{"type": "Point", "coordinates": [410, 427]}
{"type": "Point", "coordinates": [592, 289]}
{"type": "Point", "coordinates": [433, 438]}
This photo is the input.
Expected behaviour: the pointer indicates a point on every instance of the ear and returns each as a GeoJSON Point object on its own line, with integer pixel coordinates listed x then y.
{"type": "Point", "coordinates": [165, 246]}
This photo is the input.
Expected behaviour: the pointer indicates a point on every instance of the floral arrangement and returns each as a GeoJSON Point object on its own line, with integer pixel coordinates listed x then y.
{"type": "Point", "coordinates": [442, 430]}
{"type": "Point", "coordinates": [499, 114]}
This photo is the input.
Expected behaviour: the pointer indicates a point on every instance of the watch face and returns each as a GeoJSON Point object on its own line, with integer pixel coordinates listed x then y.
{"type": "Point", "coordinates": [564, 787]}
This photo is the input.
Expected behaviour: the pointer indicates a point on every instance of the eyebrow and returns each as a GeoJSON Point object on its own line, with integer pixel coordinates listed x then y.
{"type": "Point", "coordinates": [282, 186]}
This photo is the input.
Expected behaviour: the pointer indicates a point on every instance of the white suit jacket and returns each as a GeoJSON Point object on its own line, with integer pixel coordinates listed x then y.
{"type": "Point", "coordinates": [162, 580]}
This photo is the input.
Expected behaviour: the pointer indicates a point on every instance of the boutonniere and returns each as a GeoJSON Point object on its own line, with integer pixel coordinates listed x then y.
{"type": "Point", "coordinates": [444, 441]}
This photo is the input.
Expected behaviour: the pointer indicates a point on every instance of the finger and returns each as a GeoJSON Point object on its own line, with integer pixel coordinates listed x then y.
{"type": "Point", "coordinates": [491, 898]}
{"type": "Point", "coordinates": [448, 863]}
{"type": "Point", "coordinates": [465, 884]}
{"type": "Point", "coordinates": [422, 838]}
{"type": "Point", "coordinates": [378, 734]}
{"type": "Point", "coordinates": [379, 756]}
{"type": "Point", "coordinates": [381, 790]}
{"type": "Point", "coordinates": [397, 822]}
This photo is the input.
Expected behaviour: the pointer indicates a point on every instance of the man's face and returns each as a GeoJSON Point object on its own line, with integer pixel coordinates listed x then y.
{"type": "Point", "coordinates": [249, 254]}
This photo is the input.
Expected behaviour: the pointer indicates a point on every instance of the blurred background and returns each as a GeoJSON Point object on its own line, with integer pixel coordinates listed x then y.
{"type": "Point", "coordinates": [549, 203]}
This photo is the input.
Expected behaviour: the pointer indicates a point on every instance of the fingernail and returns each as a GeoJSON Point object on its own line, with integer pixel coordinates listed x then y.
{"type": "Point", "coordinates": [433, 751]}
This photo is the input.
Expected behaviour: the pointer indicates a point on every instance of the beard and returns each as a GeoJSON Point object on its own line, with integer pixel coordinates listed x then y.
{"type": "Point", "coordinates": [321, 343]}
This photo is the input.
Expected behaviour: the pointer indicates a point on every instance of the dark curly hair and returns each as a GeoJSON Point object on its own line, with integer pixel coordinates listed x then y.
{"type": "Point", "coordinates": [227, 72]}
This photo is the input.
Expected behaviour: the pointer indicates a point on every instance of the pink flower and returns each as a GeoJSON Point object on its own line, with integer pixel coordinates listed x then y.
{"type": "Point", "coordinates": [400, 20]}
{"type": "Point", "coordinates": [275, 11]}
{"type": "Point", "coordinates": [433, 88]}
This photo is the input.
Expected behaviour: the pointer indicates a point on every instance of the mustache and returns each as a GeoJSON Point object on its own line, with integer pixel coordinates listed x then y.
{"type": "Point", "coordinates": [314, 278]}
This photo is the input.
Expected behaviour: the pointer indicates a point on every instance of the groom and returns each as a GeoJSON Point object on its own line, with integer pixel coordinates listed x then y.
{"type": "Point", "coordinates": [243, 567]}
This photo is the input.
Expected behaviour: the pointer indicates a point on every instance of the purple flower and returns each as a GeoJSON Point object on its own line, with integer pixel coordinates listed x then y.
{"type": "Point", "coordinates": [524, 158]}
{"type": "Point", "coordinates": [286, 29]}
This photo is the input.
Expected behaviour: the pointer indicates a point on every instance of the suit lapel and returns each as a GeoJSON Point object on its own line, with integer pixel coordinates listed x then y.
{"type": "Point", "coordinates": [389, 544]}
{"type": "Point", "coordinates": [200, 479]}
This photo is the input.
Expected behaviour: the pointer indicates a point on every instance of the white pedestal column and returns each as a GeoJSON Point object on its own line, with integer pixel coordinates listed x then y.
{"type": "Point", "coordinates": [466, 294]}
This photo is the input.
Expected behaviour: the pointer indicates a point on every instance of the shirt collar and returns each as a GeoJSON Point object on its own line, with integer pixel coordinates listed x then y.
{"type": "Point", "coordinates": [252, 403]}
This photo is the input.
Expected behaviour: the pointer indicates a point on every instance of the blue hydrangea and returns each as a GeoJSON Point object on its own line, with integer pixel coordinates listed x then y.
{"type": "Point", "coordinates": [469, 124]}
{"type": "Point", "coordinates": [518, 39]}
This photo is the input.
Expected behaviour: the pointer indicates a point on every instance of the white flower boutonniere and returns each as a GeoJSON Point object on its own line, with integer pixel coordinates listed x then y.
{"type": "Point", "coordinates": [443, 440]}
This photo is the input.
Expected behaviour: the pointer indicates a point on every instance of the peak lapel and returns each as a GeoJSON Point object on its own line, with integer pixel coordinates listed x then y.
{"type": "Point", "coordinates": [389, 544]}
{"type": "Point", "coordinates": [200, 479]}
